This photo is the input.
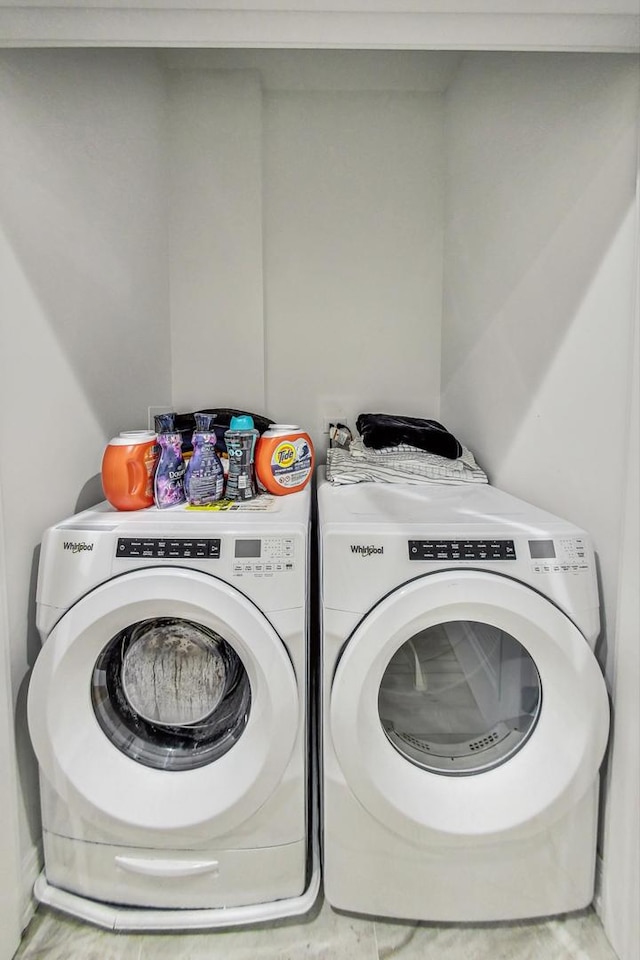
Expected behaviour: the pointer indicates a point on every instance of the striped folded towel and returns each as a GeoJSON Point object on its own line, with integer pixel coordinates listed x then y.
{"type": "Point", "coordinates": [400, 464]}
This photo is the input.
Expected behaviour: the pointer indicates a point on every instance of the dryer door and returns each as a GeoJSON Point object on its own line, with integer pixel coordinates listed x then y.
{"type": "Point", "coordinates": [467, 704]}
{"type": "Point", "coordinates": [164, 700]}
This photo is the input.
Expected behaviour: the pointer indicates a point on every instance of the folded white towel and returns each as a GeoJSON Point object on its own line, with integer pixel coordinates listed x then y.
{"type": "Point", "coordinates": [400, 464]}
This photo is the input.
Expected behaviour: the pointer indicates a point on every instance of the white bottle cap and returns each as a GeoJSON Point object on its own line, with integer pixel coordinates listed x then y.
{"type": "Point", "coordinates": [280, 429]}
{"type": "Point", "coordinates": [129, 437]}
{"type": "Point", "coordinates": [139, 435]}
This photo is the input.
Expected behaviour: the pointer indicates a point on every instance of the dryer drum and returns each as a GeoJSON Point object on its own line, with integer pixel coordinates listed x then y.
{"type": "Point", "coordinates": [459, 697]}
{"type": "Point", "coordinates": [170, 693]}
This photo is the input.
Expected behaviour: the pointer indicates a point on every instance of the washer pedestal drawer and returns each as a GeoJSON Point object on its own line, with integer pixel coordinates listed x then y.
{"type": "Point", "coordinates": [138, 876]}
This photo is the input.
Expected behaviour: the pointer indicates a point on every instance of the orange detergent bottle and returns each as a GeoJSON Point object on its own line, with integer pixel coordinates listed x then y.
{"type": "Point", "coordinates": [128, 466]}
{"type": "Point", "coordinates": [284, 458]}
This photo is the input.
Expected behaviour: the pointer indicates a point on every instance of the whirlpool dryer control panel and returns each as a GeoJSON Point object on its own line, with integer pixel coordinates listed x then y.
{"type": "Point", "coordinates": [385, 531]}
{"type": "Point", "coordinates": [489, 549]}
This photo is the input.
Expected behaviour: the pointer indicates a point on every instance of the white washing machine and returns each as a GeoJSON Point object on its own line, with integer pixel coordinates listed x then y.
{"type": "Point", "coordinates": [168, 709]}
{"type": "Point", "coordinates": [465, 716]}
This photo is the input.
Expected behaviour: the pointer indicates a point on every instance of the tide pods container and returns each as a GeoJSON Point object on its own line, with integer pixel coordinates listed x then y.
{"type": "Point", "coordinates": [284, 458]}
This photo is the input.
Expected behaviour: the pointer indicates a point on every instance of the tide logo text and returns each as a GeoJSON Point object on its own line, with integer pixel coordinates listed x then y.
{"type": "Point", "coordinates": [367, 551]}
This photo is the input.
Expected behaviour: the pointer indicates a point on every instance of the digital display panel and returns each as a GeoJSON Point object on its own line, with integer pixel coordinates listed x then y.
{"type": "Point", "coordinates": [542, 549]}
{"type": "Point", "coordinates": [247, 549]}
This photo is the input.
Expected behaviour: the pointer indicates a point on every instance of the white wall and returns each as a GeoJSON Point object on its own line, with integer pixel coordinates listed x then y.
{"type": "Point", "coordinates": [621, 869]}
{"type": "Point", "coordinates": [215, 230]}
{"type": "Point", "coordinates": [306, 238]}
{"type": "Point", "coordinates": [11, 882]}
{"type": "Point", "coordinates": [540, 281]}
{"type": "Point", "coordinates": [85, 335]}
{"type": "Point", "coordinates": [353, 254]}
{"type": "Point", "coordinates": [539, 269]}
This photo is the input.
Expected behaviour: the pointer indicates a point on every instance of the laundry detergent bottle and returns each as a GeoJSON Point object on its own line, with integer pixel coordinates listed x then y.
{"type": "Point", "coordinates": [240, 439]}
{"type": "Point", "coordinates": [204, 476]}
{"type": "Point", "coordinates": [168, 486]}
{"type": "Point", "coordinates": [128, 467]}
{"type": "Point", "coordinates": [284, 459]}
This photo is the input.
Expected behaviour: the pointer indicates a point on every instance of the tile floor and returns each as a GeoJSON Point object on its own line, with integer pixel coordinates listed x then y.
{"type": "Point", "coordinates": [325, 935]}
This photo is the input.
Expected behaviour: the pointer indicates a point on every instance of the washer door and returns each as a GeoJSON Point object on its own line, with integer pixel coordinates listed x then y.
{"type": "Point", "coordinates": [467, 705]}
{"type": "Point", "coordinates": [164, 700]}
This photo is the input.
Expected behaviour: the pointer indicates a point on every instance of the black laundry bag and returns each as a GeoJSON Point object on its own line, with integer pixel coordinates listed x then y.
{"type": "Point", "coordinates": [387, 430]}
{"type": "Point", "coordinates": [185, 424]}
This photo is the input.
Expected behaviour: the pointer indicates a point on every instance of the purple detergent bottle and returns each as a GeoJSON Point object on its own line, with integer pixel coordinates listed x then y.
{"type": "Point", "coordinates": [204, 477]}
{"type": "Point", "coordinates": [168, 483]}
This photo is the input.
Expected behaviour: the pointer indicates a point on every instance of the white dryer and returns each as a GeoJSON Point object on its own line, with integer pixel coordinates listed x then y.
{"type": "Point", "coordinates": [168, 709]}
{"type": "Point", "coordinates": [465, 716]}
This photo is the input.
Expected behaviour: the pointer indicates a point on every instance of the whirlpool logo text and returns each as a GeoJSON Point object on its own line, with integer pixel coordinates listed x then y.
{"type": "Point", "coordinates": [367, 551]}
{"type": "Point", "coordinates": [77, 546]}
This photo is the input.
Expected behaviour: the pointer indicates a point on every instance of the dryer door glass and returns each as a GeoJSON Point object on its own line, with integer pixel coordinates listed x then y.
{"type": "Point", "coordinates": [459, 697]}
{"type": "Point", "coordinates": [171, 693]}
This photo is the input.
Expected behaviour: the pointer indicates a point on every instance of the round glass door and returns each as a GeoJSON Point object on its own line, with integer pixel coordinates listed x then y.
{"type": "Point", "coordinates": [467, 672]}
{"type": "Point", "coordinates": [170, 693]}
{"type": "Point", "coordinates": [460, 697]}
{"type": "Point", "coordinates": [157, 671]}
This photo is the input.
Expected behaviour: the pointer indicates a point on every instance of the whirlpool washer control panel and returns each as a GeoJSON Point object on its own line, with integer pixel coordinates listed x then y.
{"type": "Point", "coordinates": [168, 548]}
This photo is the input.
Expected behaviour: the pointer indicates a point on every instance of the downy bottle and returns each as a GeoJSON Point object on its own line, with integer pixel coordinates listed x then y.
{"type": "Point", "coordinates": [168, 486]}
{"type": "Point", "coordinates": [204, 477]}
